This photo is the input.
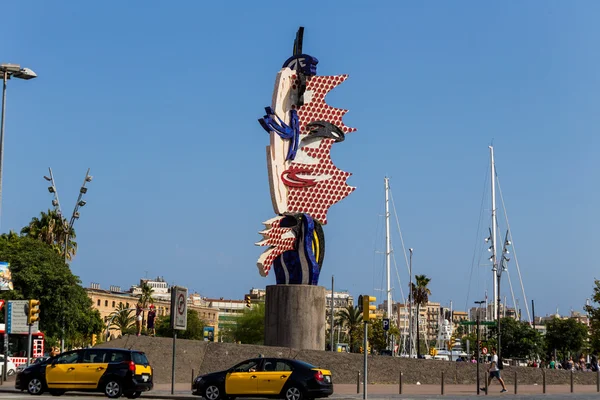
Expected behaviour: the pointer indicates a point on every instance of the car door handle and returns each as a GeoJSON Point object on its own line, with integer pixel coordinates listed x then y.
{"type": "Point", "coordinates": [70, 369]}
{"type": "Point", "coordinates": [253, 376]}
{"type": "Point", "coordinates": [99, 368]}
{"type": "Point", "coordinates": [283, 376]}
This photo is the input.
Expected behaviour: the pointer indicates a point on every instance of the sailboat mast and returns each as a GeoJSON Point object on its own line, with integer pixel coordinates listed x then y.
{"type": "Point", "coordinates": [494, 230]}
{"type": "Point", "coordinates": [388, 249]}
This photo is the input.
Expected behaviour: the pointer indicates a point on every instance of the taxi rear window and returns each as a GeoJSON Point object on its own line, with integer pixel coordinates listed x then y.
{"type": "Point", "coordinates": [140, 358]}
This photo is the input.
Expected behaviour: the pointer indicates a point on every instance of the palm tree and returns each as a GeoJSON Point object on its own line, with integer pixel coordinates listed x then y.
{"type": "Point", "coordinates": [52, 228]}
{"type": "Point", "coordinates": [146, 298]}
{"type": "Point", "coordinates": [123, 318]}
{"type": "Point", "coordinates": [9, 236]}
{"type": "Point", "coordinates": [420, 294]}
{"type": "Point", "coordinates": [350, 318]}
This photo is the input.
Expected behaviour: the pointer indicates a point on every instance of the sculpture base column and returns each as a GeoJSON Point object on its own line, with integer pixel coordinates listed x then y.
{"type": "Point", "coordinates": [295, 316]}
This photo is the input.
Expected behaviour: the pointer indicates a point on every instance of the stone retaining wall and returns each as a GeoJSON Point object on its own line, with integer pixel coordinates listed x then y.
{"type": "Point", "coordinates": [204, 357]}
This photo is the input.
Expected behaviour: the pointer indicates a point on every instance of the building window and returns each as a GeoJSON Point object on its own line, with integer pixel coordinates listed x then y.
{"type": "Point", "coordinates": [105, 303]}
{"type": "Point", "coordinates": [98, 302]}
{"type": "Point", "coordinates": [126, 305]}
{"type": "Point", "coordinates": [113, 303]}
{"type": "Point", "coordinates": [120, 304]}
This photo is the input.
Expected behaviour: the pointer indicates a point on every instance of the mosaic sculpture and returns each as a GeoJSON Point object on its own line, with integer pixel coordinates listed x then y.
{"type": "Point", "coordinates": [304, 181]}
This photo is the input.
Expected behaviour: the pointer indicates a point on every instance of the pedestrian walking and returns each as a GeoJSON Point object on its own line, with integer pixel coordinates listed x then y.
{"type": "Point", "coordinates": [494, 372]}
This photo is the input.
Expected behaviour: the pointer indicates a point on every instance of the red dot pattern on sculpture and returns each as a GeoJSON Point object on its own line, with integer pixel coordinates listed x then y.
{"type": "Point", "coordinates": [277, 244]}
{"type": "Point", "coordinates": [316, 200]}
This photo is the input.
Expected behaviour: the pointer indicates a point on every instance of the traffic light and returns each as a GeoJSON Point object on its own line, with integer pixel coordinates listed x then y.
{"type": "Point", "coordinates": [366, 307]}
{"type": "Point", "coordinates": [33, 312]}
{"type": "Point", "coordinates": [248, 301]}
{"type": "Point", "coordinates": [432, 352]}
{"type": "Point", "coordinates": [361, 349]}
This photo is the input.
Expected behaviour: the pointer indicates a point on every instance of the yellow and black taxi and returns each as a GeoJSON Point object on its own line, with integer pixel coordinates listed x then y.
{"type": "Point", "coordinates": [115, 372]}
{"type": "Point", "coordinates": [266, 377]}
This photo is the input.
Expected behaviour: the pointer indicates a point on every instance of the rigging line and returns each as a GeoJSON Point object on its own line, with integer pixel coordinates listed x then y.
{"type": "Point", "coordinates": [477, 239]}
{"type": "Point", "coordinates": [399, 230]}
{"type": "Point", "coordinates": [514, 250]}
{"type": "Point", "coordinates": [375, 240]}
{"type": "Point", "coordinates": [512, 293]}
{"type": "Point", "coordinates": [399, 282]}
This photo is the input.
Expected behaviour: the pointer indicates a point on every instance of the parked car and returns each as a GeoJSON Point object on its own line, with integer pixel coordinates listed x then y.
{"type": "Point", "coordinates": [266, 377]}
{"type": "Point", "coordinates": [114, 372]}
{"type": "Point", "coordinates": [11, 368]}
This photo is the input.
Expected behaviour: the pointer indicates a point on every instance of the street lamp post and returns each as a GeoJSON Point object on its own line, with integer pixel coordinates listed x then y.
{"type": "Point", "coordinates": [67, 226]}
{"type": "Point", "coordinates": [410, 300]}
{"type": "Point", "coordinates": [9, 71]}
{"type": "Point", "coordinates": [478, 347]}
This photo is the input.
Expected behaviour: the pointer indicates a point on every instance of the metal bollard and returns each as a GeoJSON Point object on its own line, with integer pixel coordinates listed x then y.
{"type": "Point", "coordinates": [515, 382]}
{"type": "Point", "coordinates": [358, 382]}
{"type": "Point", "coordinates": [544, 381]}
{"type": "Point", "coordinates": [598, 380]}
{"type": "Point", "coordinates": [442, 383]}
{"type": "Point", "coordinates": [486, 385]}
{"type": "Point", "coordinates": [400, 384]}
{"type": "Point", "coordinates": [192, 379]}
{"type": "Point", "coordinates": [571, 381]}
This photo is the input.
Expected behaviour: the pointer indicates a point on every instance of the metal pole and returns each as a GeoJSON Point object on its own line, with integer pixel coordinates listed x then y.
{"type": "Point", "coordinates": [494, 228]}
{"type": "Point", "coordinates": [388, 251]}
{"type": "Point", "coordinates": [332, 318]}
{"type": "Point", "coordinates": [442, 383]}
{"type": "Point", "coordinates": [516, 382]}
{"type": "Point", "coordinates": [6, 338]}
{"type": "Point", "coordinates": [192, 378]}
{"type": "Point", "coordinates": [410, 300]}
{"type": "Point", "coordinates": [28, 345]}
{"type": "Point", "coordinates": [173, 363]}
{"type": "Point", "coordinates": [366, 331]}
{"type": "Point", "coordinates": [544, 380]}
{"type": "Point", "coordinates": [478, 350]}
{"type": "Point", "coordinates": [4, 79]}
{"type": "Point", "coordinates": [357, 382]}
{"type": "Point", "coordinates": [400, 386]}
{"type": "Point", "coordinates": [571, 381]}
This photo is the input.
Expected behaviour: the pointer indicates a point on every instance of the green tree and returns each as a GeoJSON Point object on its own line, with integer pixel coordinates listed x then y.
{"type": "Point", "coordinates": [146, 299]}
{"type": "Point", "coordinates": [39, 272]}
{"type": "Point", "coordinates": [594, 315]}
{"type": "Point", "coordinates": [566, 336]}
{"type": "Point", "coordinates": [52, 228]}
{"type": "Point", "coordinates": [420, 294]}
{"type": "Point", "coordinates": [519, 339]}
{"type": "Point", "coordinates": [350, 319]}
{"type": "Point", "coordinates": [194, 331]}
{"type": "Point", "coordinates": [378, 339]}
{"type": "Point", "coordinates": [123, 319]}
{"type": "Point", "coordinates": [250, 326]}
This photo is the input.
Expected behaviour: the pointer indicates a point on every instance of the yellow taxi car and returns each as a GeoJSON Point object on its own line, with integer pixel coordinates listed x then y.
{"type": "Point", "coordinates": [114, 372]}
{"type": "Point", "coordinates": [266, 377]}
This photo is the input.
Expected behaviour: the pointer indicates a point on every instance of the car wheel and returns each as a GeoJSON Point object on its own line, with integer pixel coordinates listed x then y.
{"type": "Point", "coordinates": [212, 392]}
{"type": "Point", "coordinates": [34, 386]}
{"type": "Point", "coordinates": [10, 372]}
{"type": "Point", "coordinates": [293, 393]}
{"type": "Point", "coordinates": [134, 395]}
{"type": "Point", "coordinates": [113, 389]}
{"type": "Point", "coordinates": [55, 392]}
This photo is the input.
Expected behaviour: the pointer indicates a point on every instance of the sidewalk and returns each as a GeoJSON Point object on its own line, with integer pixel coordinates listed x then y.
{"type": "Point", "coordinates": [182, 391]}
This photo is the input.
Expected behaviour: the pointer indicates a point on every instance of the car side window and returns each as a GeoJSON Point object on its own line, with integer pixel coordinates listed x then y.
{"type": "Point", "coordinates": [248, 366]}
{"type": "Point", "coordinates": [68, 358]}
{"type": "Point", "coordinates": [115, 357]}
{"type": "Point", "coordinates": [282, 366]}
{"type": "Point", "coordinates": [94, 356]}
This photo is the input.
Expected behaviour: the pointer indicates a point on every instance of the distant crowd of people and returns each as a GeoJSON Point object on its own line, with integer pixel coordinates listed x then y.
{"type": "Point", "coordinates": [567, 364]}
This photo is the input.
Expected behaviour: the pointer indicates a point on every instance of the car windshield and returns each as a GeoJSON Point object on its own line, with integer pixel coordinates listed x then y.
{"type": "Point", "coordinates": [305, 364]}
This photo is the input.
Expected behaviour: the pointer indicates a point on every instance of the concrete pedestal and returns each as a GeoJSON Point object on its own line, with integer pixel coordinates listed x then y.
{"type": "Point", "coordinates": [295, 316]}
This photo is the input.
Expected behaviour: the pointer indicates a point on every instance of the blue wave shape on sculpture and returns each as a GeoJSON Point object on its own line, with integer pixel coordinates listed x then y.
{"type": "Point", "coordinates": [291, 132]}
{"type": "Point", "coordinates": [302, 266]}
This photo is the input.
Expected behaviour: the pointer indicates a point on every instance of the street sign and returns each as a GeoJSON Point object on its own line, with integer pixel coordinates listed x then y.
{"type": "Point", "coordinates": [386, 324]}
{"type": "Point", "coordinates": [17, 318]}
{"type": "Point", "coordinates": [484, 350]}
{"type": "Point", "coordinates": [179, 308]}
{"type": "Point", "coordinates": [482, 323]}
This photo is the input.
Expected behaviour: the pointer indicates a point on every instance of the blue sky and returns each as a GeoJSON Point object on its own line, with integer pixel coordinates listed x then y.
{"type": "Point", "coordinates": [161, 101]}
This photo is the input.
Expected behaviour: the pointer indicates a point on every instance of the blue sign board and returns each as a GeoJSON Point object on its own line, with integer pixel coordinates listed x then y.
{"type": "Point", "coordinates": [386, 324]}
